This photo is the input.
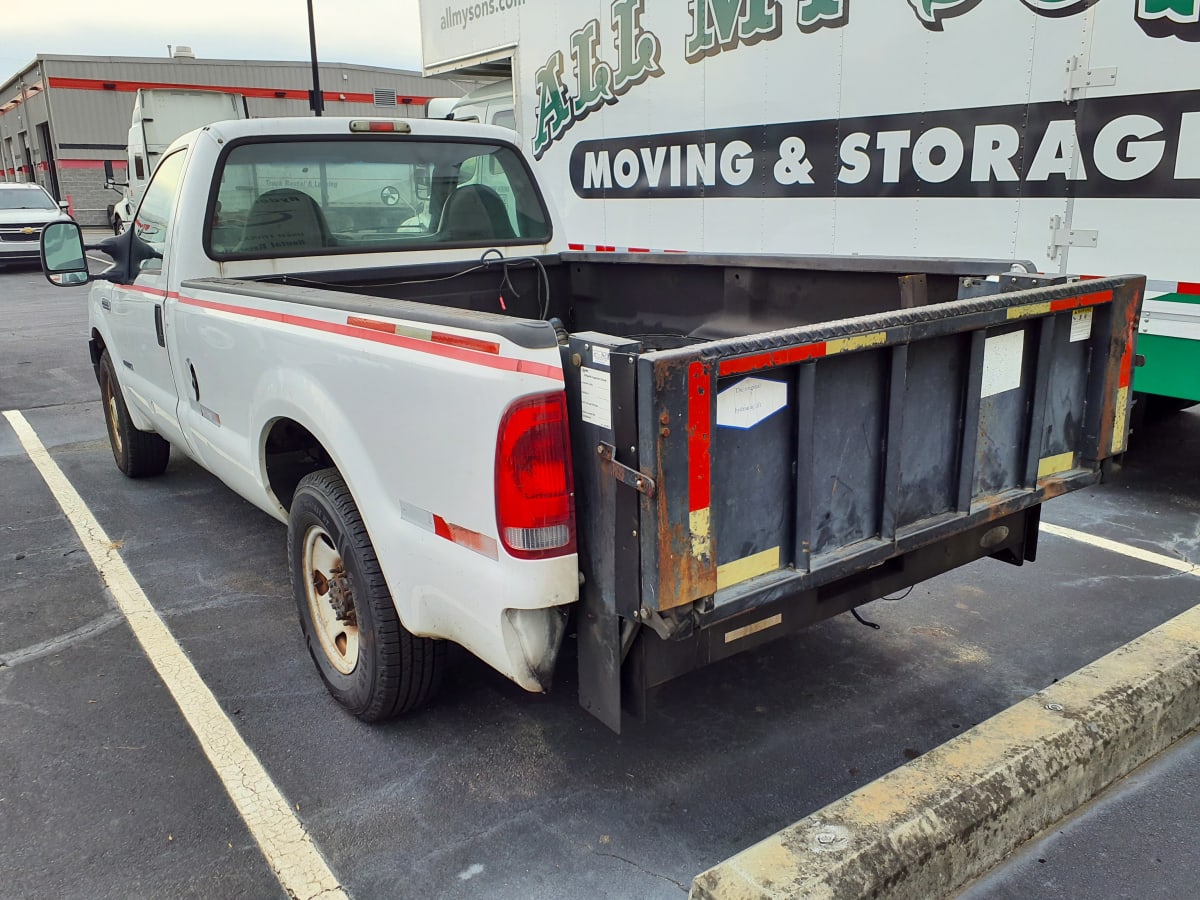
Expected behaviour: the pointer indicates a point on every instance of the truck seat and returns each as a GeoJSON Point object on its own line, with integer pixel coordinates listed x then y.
{"type": "Point", "coordinates": [475, 212]}
{"type": "Point", "coordinates": [285, 220]}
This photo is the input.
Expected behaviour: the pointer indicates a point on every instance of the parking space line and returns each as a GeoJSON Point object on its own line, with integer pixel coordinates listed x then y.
{"type": "Point", "coordinates": [287, 847]}
{"type": "Point", "coordinates": [1158, 559]}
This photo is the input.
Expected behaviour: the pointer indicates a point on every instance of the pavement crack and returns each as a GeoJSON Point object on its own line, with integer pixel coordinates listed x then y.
{"type": "Point", "coordinates": [97, 626]}
{"type": "Point", "coordinates": [641, 868]}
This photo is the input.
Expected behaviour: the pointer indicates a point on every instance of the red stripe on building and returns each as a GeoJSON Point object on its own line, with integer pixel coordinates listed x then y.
{"type": "Point", "coordinates": [472, 357]}
{"type": "Point", "coordinates": [258, 93]}
{"type": "Point", "coordinates": [699, 436]}
{"type": "Point", "coordinates": [89, 164]}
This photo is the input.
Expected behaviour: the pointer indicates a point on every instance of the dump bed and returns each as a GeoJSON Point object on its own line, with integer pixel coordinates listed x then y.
{"type": "Point", "coordinates": [735, 490]}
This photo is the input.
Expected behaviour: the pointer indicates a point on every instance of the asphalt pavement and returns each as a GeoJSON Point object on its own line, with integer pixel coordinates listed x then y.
{"type": "Point", "coordinates": [490, 792]}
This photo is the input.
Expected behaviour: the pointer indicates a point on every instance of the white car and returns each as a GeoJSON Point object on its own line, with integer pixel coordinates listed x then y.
{"type": "Point", "coordinates": [25, 209]}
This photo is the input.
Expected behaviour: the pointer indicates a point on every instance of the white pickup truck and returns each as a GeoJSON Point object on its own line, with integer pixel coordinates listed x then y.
{"type": "Point", "coordinates": [371, 330]}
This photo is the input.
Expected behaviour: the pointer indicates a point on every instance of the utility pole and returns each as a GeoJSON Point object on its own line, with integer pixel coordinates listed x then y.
{"type": "Point", "coordinates": [316, 100]}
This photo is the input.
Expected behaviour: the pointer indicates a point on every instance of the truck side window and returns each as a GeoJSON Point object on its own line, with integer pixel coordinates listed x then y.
{"type": "Point", "coordinates": [139, 167]}
{"type": "Point", "coordinates": [153, 216]}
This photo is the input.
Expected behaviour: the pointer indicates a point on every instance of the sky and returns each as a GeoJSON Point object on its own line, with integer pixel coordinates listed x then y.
{"type": "Point", "coordinates": [366, 32]}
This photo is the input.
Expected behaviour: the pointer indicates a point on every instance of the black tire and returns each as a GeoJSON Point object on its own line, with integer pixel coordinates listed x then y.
{"type": "Point", "coordinates": [117, 225]}
{"type": "Point", "coordinates": [139, 454]}
{"type": "Point", "coordinates": [386, 671]}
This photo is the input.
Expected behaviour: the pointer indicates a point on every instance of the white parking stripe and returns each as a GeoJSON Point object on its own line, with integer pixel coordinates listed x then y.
{"type": "Point", "coordinates": [289, 850]}
{"type": "Point", "coordinates": [1179, 565]}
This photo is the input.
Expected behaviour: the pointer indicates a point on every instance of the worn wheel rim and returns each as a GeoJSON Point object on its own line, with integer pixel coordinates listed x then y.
{"type": "Point", "coordinates": [322, 569]}
{"type": "Point", "coordinates": [110, 415]}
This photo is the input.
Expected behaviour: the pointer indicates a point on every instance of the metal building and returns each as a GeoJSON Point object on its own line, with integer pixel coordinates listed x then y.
{"type": "Point", "coordinates": [61, 117]}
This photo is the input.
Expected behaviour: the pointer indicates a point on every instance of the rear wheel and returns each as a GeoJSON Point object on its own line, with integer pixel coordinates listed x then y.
{"type": "Point", "coordinates": [370, 662]}
{"type": "Point", "coordinates": [139, 454]}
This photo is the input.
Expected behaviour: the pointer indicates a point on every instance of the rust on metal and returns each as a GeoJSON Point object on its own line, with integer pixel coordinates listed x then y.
{"type": "Point", "coordinates": [687, 567]}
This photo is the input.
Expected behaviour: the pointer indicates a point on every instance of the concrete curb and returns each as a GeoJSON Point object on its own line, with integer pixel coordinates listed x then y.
{"type": "Point", "coordinates": [931, 826]}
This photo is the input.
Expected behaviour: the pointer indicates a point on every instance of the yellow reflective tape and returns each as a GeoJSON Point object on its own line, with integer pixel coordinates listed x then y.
{"type": "Point", "coordinates": [762, 625]}
{"type": "Point", "coordinates": [420, 334]}
{"type": "Point", "coordinates": [747, 567]}
{"type": "Point", "coordinates": [1029, 309]}
{"type": "Point", "coordinates": [858, 342]}
{"type": "Point", "coordinates": [1118, 440]}
{"type": "Point", "coordinates": [1052, 465]}
{"type": "Point", "coordinates": [700, 524]}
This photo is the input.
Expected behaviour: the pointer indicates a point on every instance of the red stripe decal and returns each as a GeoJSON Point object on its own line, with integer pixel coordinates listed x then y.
{"type": "Point", "coordinates": [1082, 300]}
{"type": "Point", "coordinates": [1126, 365]}
{"type": "Point", "coordinates": [359, 322]}
{"type": "Point", "coordinates": [465, 537]}
{"type": "Point", "coordinates": [639, 249]}
{"type": "Point", "coordinates": [1188, 287]}
{"type": "Point", "coordinates": [742, 364]}
{"type": "Point", "coordinates": [139, 289]}
{"type": "Point", "coordinates": [441, 528]}
{"type": "Point", "coordinates": [699, 436]}
{"type": "Point", "coordinates": [574, 246]}
{"type": "Point", "coordinates": [472, 357]}
{"type": "Point", "coordinates": [467, 343]}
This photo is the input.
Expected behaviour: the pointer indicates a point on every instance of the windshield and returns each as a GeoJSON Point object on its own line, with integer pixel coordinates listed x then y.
{"type": "Point", "coordinates": [26, 198]}
{"type": "Point", "coordinates": [300, 197]}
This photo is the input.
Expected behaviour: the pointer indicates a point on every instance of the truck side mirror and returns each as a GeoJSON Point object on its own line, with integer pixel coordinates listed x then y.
{"type": "Point", "coordinates": [421, 182]}
{"type": "Point", "coordinates": [64, 261]}
{"type": "Point", "coordinates": [110, 180]}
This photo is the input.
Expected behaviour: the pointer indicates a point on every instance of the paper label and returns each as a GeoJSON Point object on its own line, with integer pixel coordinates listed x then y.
{"type": "Point", "coordinates": [1081, 325]}
{"type": "Point", "coordinates": [596, 396]}
{"type": "Point", "coordinates": [749, 402]}
{"type": "Point", "coordinates": [600, 356]}
{"type": "Point", "coordinates": [1002, 357]}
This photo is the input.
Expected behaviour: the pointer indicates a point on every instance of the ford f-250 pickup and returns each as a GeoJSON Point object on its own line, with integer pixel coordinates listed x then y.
{"type": "Point", "coordinates": [372, 331]}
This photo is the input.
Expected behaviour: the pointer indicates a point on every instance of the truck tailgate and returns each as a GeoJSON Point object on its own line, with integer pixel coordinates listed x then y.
{"type": "Point", "coordinates": [743, 488]}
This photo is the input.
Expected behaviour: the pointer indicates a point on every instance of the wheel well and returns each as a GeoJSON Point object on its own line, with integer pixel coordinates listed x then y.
{"type": "Point", "coordinates": [97, 348]}
{"type": "Point", "coordinates": [291, 452]}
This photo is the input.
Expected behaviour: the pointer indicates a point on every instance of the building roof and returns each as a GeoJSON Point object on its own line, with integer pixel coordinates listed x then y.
{"type": "Point", "coordinates": [183, 62]}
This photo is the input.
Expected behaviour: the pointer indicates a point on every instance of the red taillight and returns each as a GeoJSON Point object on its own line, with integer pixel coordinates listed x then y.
{"type": "Point", "coordinates": [535, 503]}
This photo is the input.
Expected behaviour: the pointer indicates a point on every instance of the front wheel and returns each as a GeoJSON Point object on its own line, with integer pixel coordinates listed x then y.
{"type": "Point", "coordinates": [370, 662]}
{"type": "Point", "coordinates": [139, 454]}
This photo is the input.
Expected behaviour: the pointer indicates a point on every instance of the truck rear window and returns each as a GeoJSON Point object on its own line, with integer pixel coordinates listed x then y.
{"type": "Point", "coordinates": [304, 197]}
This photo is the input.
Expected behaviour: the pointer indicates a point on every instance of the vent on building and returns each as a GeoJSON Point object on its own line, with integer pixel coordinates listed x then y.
{"type": "Point", "coordinates": [183, 52]}
{"type": "Point", "coordinates": [385, 97]}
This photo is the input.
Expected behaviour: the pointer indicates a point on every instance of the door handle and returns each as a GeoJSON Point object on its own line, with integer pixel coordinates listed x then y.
{"type": "Point", "coordinates": [158, 325]}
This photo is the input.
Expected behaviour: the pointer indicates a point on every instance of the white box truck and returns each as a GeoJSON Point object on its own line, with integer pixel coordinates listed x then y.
{"type": "Point", "coordinates": [160, 115]}
{"type": "Point", "coordinates": [1061, 132]}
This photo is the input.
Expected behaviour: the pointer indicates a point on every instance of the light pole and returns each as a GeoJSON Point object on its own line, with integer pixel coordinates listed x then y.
{"type": "Point", "coordinates": [316, 100]}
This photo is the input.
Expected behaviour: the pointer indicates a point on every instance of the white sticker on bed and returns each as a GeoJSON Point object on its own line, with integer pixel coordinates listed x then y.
{"type": "Point", "coordinates": [748, 402]}
{"type": "Point", "coordinates": [1002, 358]}
{"type": "Point", "coordinates": [596, 395]}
